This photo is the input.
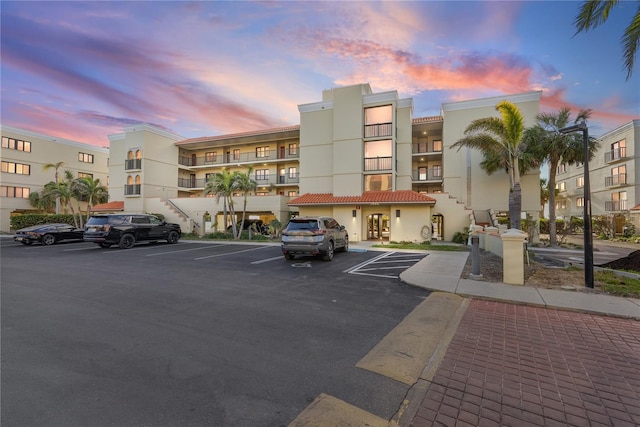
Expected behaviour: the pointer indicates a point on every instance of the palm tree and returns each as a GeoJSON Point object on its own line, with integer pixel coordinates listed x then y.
{"type": "Point", "coordinates": [42, 200]}
{"type": "Point", "coordinates": [547, 144]}
{"type": "Point", "coordinates": [92, 191]}
{"type": "Point", "coordinates": [544, 195]}
{"type": "Point", "coordinates": [64, 192]}
{"type": "Point", "coordinates": [595, 12]}
{"type": "Point", "coordinates": [221, 184]}
{"type": "Point", "coordinates": [500, 140]}
{"type": "Point", "coordinates": [55, 166]}
{"type": "Point", "coordinates": [245, 184]}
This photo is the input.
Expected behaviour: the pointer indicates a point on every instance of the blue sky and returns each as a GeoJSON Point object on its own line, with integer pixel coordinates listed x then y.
{"type": "Point", "coordinates": [84, 70]}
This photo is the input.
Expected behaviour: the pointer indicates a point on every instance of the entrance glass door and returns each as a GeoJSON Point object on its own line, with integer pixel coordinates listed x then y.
{"type": "Point", "coordinates": [378, 226]}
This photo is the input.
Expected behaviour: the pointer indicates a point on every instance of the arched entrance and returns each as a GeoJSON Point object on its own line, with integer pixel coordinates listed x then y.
{"type": "Point", "coordinates": [378, 226]}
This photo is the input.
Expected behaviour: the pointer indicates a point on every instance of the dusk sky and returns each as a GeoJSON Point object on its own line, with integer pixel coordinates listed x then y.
{"type": "Point", "coordinates": [85, 70]}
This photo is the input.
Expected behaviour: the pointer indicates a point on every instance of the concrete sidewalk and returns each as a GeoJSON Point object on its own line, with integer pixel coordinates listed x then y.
{"type": "Point", "coordinates": [440, 271]}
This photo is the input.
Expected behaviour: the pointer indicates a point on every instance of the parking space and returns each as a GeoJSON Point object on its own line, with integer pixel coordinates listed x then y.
{"type": "Point", "coordinates": [191, 333]}
{"type": "Point", "coordinates": [387, 264]}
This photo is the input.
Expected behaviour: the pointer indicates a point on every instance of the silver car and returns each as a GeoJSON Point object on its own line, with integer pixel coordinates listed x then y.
{"type": "Point", "coordinates": [314, 236]}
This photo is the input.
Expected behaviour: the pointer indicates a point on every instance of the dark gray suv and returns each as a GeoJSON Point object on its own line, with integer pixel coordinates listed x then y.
{"type": "Point", "coordinates": [125, 230]}
{"type": "Point", "coordinates": [314, 236]}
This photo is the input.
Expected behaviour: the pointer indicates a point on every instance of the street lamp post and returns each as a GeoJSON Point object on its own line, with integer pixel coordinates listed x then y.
{"type": "Point", "coordinates": [588, 235]}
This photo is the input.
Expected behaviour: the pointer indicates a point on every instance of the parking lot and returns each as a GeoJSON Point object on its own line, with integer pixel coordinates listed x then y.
{"type": "Point", "coordinates": [194, 333]}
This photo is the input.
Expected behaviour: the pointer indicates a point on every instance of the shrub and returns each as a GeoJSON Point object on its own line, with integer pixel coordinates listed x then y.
{"type": "Point", "coordinates": [461, 236]}
{"type": "Point", "coordinates": [29, 220]}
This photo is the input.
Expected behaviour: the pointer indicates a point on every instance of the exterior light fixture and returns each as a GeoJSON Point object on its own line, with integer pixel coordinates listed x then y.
{"type": "Point", "coordinates": [588, 234]}
{"type": "Point", "coordinates": [354, 213]}
{"type": "Point", "coordinates": [397, 213]}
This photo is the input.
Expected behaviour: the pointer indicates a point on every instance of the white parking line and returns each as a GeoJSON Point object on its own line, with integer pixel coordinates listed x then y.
{"type": "Point", "coordinates": [267, 260]}
{"type": "Point", "coordinates": [362, 264]}
{"type": "Point", "coordinates": [231, 253]}
{"type": "Point", "coordinates": [187, 250]}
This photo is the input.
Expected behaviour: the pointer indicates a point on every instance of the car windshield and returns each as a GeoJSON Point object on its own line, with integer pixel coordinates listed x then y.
{"type": "Point", "coordinates": [303, 225]}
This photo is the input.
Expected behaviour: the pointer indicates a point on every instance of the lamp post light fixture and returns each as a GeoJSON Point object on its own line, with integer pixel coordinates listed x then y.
{"type": "Point", "coordinates": [588, 234]}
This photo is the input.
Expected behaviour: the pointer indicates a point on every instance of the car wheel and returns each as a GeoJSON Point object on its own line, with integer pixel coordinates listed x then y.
{"type": "Point", "coordinates": [289, 257]}
{"type": "Point", "coordinates": [173, 237]}
{"type": "Point", "coordinates": [345, 248]}
{"type": "Point", "coordinates": [48, 239]}
{"type": "Point", "coordinates": [104, 245]}
{"type": "Point", "coordinates": [127, 241]}
{"type": "Point", "coordinates": [328, 256]}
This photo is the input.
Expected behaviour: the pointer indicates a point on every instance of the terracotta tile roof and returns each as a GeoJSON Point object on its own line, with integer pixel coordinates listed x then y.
{"type": "Point", "coordinates": [108, 207]}
{"type": "Point", "coordinates": [419, 120]}
{"type": "Point", "coordinates": [368, 197]}
{"type": "Point", "coordinates": [239, 135]}
{"type": "Point", "coordinates": [635, 208]}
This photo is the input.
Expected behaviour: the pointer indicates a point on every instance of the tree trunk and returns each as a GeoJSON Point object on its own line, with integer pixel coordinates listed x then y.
{"type": "Point", "coordinates": [515, 206]}
{"type": "Point", "coordinates": [553, 240]}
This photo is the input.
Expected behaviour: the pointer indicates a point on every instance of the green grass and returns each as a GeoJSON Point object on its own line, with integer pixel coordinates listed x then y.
{"type": "Point", "coordinates": [424, 246]}
{"type": "Point", "coordinates": [615, 284]}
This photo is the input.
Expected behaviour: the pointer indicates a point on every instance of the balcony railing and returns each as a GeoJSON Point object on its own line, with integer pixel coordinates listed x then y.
{"type": "Point", "coordinates": [616, 154]}
{"type": "Point", "coordinates": [379, 129]}
{"type": "Point", "coordinates": [192, 183]}
{"type": "Point", "coordinates": [614, 180]}
{"type": "Point", "coordinates": [130, 190]}
{"type": "Point", "coordinates": [130, 164]}
{"type": "Point", "coordinates": [260, 180]}
{"type": "Point", "coordinates": [430, 174]}
{"type": "Point", "coordinates": [615, 205]}
{"type": "Point", "coordinates": [423, 148]}
{"type": "Point", "coordinates": [249, 157]}
{"type": "Point", "coordinates": [378, 163]}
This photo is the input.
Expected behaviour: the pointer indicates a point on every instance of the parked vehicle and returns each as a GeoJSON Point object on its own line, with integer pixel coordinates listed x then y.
{"type": "Point", "coordinates": [314, 236]}
{"type": "Point", "coordinates": [48, 234]}
{"type": "Point", "coordinates": [125, 230]}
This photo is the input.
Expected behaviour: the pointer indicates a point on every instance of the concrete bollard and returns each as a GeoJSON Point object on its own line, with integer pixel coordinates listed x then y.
{"type": "Point", "coordinates": [475, 257]}
{"type": "Point", "coordinates": [513, 256]}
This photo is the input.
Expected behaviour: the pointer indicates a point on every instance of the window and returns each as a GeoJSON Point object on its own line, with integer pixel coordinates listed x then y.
{"type": "Point", "coordinates": [377, 182]}
{"type": "Point", "coordinates": [437, 170]}
{"type": "Point", "coordinates": [422, 173]}
{"type": "Point", "coordinates": [293, 172]}
{"type": "Point", "coordinates": [85, 158]}
{"type": "Point", "coordinates": [17, 168]}
{"type": "Point", "coordinates": [262, 174]}
{"type": "Point", "coordinates": [378, 154]}
{"type": "Point", "coordinates": [15, 192]}
{"type": "Point", "coordinates": [262, 193]}
{"type": "Point", "coordinates": [236, 154]}
{"type": "Point", "coordinates": [293, 149]}
{"type": "Point", "coordinates": [292, 193]}
{"type": "Point", "coordinates": [580, 202]}
{"type": "Point", "coordinates": [561, 186]}
{"type": "Point", "coordinates": [210, 157]}
{"type": "Point", "coordinates": [16, 144]}
{"type": "Point", "coordinates": [262, 152]}
{"type": "Point", "coordinates": [561, 204]}
{"type": "Point", "coordinates": [378, 121]}
{"type": "Point", "coordinates": [562, 168]}
{"type": "Point", "coordinates": [85, 175]}
{"type": "Point", "coordinates": [437, 145]}
{"type": "Point", "coordinates": [580, 182]}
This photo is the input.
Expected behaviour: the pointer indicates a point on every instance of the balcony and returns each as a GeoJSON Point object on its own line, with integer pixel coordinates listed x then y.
{"type": "Point", "coordinates": [427, 174]}
{"type": "Point", "coordinates": [132, 190]}
{"type": "Point", "coordinates": [133, 164]}
{"type": "Point", "coordinates": [378, 163]}
{"type": "Point", "coordinates": [231, 158]}
{"type": "Point", "coordinates": [615, 205]}
{"type": "Point", "coordinates": [420, 148]}
{"type": "Point", "coordinates": [615, 154]}
{"type": "Point", "coordinates": [378, 130]}
{"type": "Point", "coordinates": [615, 180]}
{"type": "Point", "coordinates": [192, 183]}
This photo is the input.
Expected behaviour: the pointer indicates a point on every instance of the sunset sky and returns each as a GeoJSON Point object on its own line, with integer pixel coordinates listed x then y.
{"type": "Point", "coordinates": [84, 70]}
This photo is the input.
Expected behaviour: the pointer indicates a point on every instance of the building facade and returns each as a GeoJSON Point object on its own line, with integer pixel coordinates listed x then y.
{"type": "Point", "coordinates": [24, 155]}
{"type": "Point", "coordinates": [356, 155]}
{"type": "Point", "coordinates": [614, 178]}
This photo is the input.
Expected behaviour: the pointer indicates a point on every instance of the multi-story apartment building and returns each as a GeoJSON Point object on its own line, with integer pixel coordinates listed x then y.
{"type": "Point", "coordinates": [614, 178]}
{"type": "Point", "coordinates": [357, 155]}
{"type": "Point", "coordinates": [24, 155]}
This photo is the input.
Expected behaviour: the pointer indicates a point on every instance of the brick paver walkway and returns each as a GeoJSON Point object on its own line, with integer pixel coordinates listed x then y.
{"type": "Point", "coordinates": [513, 365]}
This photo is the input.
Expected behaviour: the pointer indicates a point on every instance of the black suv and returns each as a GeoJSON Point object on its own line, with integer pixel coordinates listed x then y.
{"type": "Point", "coordinates": [125, 230]}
